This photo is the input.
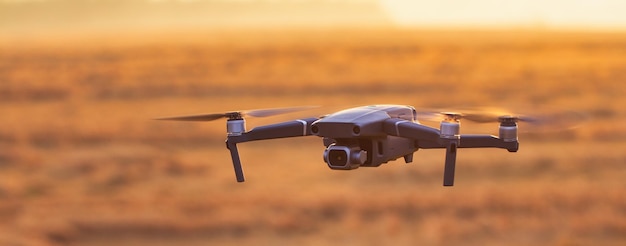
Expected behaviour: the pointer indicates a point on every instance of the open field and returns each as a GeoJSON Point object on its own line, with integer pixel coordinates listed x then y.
{"type": "Point", "coordinates": [81, 163]}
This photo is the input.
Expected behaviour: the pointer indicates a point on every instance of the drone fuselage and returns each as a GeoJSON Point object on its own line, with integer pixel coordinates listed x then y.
{"type": "Point", "coordinates": [356, 137]}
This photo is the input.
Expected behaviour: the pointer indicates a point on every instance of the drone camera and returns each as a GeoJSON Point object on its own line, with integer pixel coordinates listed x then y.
{"type": "Point", "coordinates": [344, 157]}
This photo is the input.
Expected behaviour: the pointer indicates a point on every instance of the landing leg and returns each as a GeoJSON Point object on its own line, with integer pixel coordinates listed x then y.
{"type": "Point", "coordinates": [448, 172]}
{"type": "Point", "coordinates": [234, 154]}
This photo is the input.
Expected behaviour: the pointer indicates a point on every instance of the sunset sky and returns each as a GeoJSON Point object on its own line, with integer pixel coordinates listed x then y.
{"type": "Point", "coordinates": [571, 14]}
{"type": "Point", "coordinates": [526, 14]}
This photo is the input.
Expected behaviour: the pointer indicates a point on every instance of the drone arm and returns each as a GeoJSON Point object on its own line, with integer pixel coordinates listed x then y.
{"type": "Point", "coordinates": [487, 141]}
{"type": "Point", "coordinates": [296, 128]}
{"type": "Point", "coordinates": [430, 138]}
{"type": "Point", "coordinates": [411, 130]}
{"type": "Point", "coordinates": [474, 141]}
{"type": "Point", "coordinates": [466, 141]}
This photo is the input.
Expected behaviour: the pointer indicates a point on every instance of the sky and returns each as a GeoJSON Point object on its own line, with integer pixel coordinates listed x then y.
{"type": "Point", "coordinates": [554, 14]}
{"type": "Point", "coordinates": [527, 14]}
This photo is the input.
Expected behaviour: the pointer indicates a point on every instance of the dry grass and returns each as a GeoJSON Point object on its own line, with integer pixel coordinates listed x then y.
{"type": "Point", "coordinates": [81, 163]}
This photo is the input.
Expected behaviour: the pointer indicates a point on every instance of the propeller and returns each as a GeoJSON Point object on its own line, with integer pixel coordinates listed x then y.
{"type": "Point", "coordinates": [553, 120]}
{"type": "Point", "coordinates": [238, 114]}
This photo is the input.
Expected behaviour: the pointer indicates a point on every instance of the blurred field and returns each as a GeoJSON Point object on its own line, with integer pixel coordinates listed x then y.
{"type": "Point", "coordinates": [82, 163]}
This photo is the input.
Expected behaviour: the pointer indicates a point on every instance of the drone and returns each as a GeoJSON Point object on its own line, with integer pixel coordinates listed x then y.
{"type": "Point", "coordinates": [370, 136]}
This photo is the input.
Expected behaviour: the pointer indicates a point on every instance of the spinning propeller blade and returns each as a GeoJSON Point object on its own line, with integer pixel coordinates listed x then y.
{"type": "Point", "coordinates": [275, 111]}
{"type": "Point", "coordinates": [198, 117]}
{"type": "Point", "coordinates": [554, 120]}
{"type": "Point", "coordinates": [237, 114]}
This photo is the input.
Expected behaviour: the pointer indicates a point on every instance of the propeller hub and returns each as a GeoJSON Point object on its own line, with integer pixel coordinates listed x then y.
{"type": "Point", "coordinates": [508, 120]}
{"type": "Point", "coordinates": [234, 115]}
{"type": "Point", "coordinates": [451, 116]}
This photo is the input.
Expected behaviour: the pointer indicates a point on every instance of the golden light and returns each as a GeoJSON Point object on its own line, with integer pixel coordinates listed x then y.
{"type": "Point", "coordinates": [557, 14]}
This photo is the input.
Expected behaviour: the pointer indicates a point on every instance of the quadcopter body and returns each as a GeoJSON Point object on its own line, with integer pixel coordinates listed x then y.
{"type": "Point", "coordinates": [369, 136]}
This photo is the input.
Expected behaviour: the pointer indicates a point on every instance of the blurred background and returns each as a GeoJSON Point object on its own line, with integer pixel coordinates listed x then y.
{"type": "Point", "coordinates": [82, 163]}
